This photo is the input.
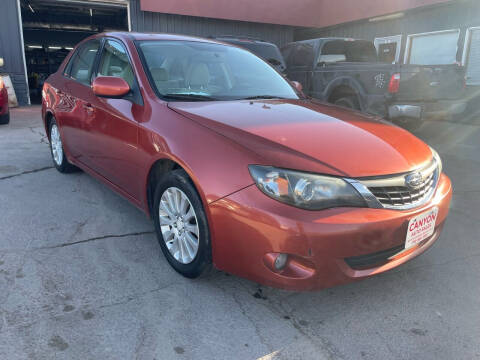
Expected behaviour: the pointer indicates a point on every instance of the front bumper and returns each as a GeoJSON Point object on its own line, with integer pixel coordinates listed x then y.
{"type": "Point", "coordinates": [248, 227]}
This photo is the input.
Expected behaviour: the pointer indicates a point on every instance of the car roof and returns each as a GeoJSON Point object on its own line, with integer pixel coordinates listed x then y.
{"type": "Point", "coordinates": [124, 35]}
{"type": "Point", "coordinates": [242, 39]}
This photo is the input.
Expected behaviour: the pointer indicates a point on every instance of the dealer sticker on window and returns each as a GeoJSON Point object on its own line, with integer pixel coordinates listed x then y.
{"type": "Point", "coordinates": [421, 227]}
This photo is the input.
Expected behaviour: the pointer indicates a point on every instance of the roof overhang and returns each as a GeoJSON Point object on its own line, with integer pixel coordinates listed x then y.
{"type": "Point", "coordinates": [307, 13]}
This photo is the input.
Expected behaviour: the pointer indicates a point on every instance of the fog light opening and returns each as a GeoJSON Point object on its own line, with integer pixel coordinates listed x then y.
{"type": "Point", "coordinates": [280, 262]}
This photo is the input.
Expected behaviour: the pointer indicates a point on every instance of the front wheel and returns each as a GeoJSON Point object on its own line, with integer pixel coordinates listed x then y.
{"type": "Point", "coordinates": [181, 225]}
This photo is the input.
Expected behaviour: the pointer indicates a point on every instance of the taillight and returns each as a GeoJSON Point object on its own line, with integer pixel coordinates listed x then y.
{"type": "Point", "coordinates": [394, 83]}
{"type": "Point", "coordinates": [1, 90]}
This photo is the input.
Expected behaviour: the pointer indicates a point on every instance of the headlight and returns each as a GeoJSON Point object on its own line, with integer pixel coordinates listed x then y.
{"type": "Point", "coordinates": [437, 159]}
{"type": "Point", "coordinates": [303, 190]}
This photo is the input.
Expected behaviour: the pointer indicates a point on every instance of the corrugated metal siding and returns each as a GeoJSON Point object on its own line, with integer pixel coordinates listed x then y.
{"type": "Point", "coordinates": [156, 22]}
{"type": "Point", "coordinates": [11, 49]}
{"type": "Point", "coordinates": [457, 15]}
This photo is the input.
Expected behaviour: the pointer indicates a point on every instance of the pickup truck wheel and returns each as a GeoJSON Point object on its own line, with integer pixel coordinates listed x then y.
{"type": "Point", "coordinates": [408, 123]}
{"type": "Point", "coordinates": [350, 102]}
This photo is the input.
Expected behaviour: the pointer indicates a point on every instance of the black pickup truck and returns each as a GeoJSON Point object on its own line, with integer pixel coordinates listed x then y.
{"type": "Point", "coordinates": [348, 72]}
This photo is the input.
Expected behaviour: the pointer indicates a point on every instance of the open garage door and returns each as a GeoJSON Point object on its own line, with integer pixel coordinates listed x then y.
{"type": "Point", "coordinates": [472, 56]}
{"type": "Point", "coordinates": [51, 28]}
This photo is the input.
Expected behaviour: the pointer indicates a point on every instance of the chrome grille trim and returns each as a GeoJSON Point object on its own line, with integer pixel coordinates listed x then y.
{"type": "Point", "coordinates": [393, 193]}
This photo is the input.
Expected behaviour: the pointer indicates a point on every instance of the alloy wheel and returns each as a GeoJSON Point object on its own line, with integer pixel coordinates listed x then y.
{"type": "Point", "coordinates": [179, 225]}
{"type": "Point", "coordinates": [56, 143]}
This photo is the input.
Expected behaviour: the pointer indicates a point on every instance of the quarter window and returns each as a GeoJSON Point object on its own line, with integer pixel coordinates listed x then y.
{"type": "Point", "coordinates": [82, 63]}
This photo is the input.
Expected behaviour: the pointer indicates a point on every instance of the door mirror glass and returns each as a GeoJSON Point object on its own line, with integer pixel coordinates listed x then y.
{"type": "Point", "coordinates": [1, 62]}
{"type": "Point", "coordinates": [110, 87]}
{"type": "Point", "coordinates": [330, 59]}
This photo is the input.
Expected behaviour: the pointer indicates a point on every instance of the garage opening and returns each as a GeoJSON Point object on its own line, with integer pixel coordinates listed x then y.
{"type": "Point", "coordinates": [51, 28]}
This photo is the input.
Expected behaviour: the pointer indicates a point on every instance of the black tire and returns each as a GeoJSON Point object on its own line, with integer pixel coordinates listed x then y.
{"type": "Point", "coordinates": [201, 263]}
{"type": "Point", "coordinates": [5, 118]}
{"type": "Point", "coordinates": [409, 124]}
{"type": "Point", "coordinates": [65, 166]}
{"type": "Point", "coordinates": [350, 102]}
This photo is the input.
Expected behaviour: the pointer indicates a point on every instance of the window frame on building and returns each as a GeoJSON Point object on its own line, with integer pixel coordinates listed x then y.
{"type": "Point", "coordinates": [396, 39]}
{"type": "Point", "coordinates": [410, 37]}
{"type": "Point", "coordinates": [466, 52]}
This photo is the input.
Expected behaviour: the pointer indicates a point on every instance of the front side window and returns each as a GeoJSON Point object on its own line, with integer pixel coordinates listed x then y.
{"type": "Point", "coordinates": [213, 71]}
{"type": "Point", "coordinates": [433, 49]}
{"type": "Point", "coordinates": [82, 63]}
{"type": "Point", "coordinates": [115, 62]}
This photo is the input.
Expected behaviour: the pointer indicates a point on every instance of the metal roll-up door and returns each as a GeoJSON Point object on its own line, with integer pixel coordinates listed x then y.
{"type": "Point", "coordinates": [473, 62]}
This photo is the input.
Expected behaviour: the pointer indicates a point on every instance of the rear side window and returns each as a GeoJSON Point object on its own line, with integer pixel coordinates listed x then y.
{"type": "Point", "coordinates": [354, 51]}
{"type": "Point", "coordinates": [82, 63]}
{"type": "Point", "coordinates": [301, 55]}
{"type": "Point", "coordinates": [115, 62]}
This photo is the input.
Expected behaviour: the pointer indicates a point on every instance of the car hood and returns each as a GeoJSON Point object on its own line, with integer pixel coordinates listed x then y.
{"type": "Point", "coordinates": [311, 136]}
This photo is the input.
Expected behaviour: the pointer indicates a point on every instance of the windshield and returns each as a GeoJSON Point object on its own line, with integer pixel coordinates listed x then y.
{"type": "Point", "coordinates": [179, 69]}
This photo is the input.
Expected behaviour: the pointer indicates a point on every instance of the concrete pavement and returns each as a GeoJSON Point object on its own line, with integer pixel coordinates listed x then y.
{"type": "Point", "coordinates": [83, 277]}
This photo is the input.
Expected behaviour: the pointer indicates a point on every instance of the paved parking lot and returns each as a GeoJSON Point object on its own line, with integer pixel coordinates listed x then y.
{"type": "Point", "coordinates": [82, 277]}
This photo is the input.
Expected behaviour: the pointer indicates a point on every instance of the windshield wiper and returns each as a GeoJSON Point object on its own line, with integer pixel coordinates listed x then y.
{"type": "Point", "coordinates": [261, 97]}
{"type": "Point", "coordinates": [192, 97]}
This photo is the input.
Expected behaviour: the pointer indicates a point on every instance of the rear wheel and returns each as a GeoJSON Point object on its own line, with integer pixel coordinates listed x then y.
{"type": "Point", "coordinates": [181, 225]}
{"type": "Point", "coordinates": [56, 148]}
{"type": "Point", "coordinates": [350, 102]}
{"type": "Point", "coordinates": [409, 124]}
{"type": "Point", "coordinates": [5, 118]}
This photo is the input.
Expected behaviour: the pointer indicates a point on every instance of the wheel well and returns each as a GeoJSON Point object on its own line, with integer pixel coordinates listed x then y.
{"type": "Point", "coordinates": [341, 91]}
{"type": "Point", "coordinates": [48, 119]}
{"type": "Point", "coordinates": [158, 170]}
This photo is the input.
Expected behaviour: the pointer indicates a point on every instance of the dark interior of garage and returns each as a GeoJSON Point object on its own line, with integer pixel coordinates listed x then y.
{"type": "Point", "coordinates": [51, 28]}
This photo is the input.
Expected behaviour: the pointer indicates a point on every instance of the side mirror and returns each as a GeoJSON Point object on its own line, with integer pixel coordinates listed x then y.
{"type": "Point", "coordinates": [330, 59]}
{"type": "Point", "coordinates": [297, 86]}
{"type": "Point", "coordinates": [1, 62]}
{"type": "Point", "coordinates": [110, 87]}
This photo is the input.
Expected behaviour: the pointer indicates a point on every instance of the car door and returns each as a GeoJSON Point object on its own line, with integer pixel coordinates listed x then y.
{"type": "Point", "coordinates": [114, 128]}
{"type": "Point", "coordinates": [75, 113]}
{"type": "Point", "coordinates": [299, 63]}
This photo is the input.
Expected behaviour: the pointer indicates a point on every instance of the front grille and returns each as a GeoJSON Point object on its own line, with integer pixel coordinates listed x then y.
{"type": "Point", "coordinates": [374, 259]}
{"type": "Point", "coordinates": [403, 195]}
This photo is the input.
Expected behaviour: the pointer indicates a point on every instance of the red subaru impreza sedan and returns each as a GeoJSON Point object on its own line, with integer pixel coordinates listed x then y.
{"type": "Point", "coordinates": [237, 168]}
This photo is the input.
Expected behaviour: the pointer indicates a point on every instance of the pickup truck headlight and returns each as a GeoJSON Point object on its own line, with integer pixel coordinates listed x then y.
{"type": "Point", "coordinates": [304, 190]}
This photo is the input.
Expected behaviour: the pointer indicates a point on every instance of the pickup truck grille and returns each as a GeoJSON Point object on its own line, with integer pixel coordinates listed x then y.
{"type": "Point", "coordinates": [403, 195]}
